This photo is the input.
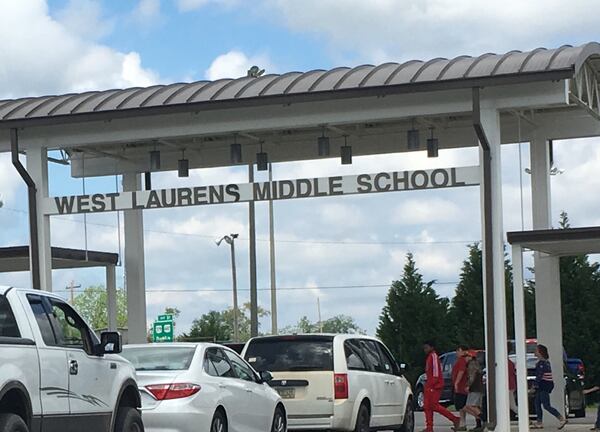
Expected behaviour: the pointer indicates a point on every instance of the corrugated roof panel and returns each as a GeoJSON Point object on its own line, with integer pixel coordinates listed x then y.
{"type": "Point", "coordinates": [254, 88]}
{"type": "Point", "coordinates": [89, 103]}
{"type": "Point", "coordinates": [304, 82]}
{"type": "Point", "coordinates": [430, 70]}
{"type": "Point", "coordinates": [279, 84]}
{"type": "Point", "coordinates": [567, 57]}
{"type": "Point", "coordinates": [483, 65]}
{"type": "Point", "coordinates": [47, 106]}
{"type": "Point", "coordinates": [512, 64]}
{"type": "Point", "coordinates": [114, 101]}
{"type": "Point", "coordinates": [329, 79]}
{"type": "Point", "coordinates": [205, 93]}
{"type": "Point", "coordinates": [354, 77]}
{"type": "Point", "coordinates": [184, 93]}
{"type": "Point", "coordinates": [456, 68]}
{"type": "Point", "coordinates": [162, 94]}
{"type": "Point", "coordinates": [11, 105]}
{"type": "Point", "coordinates": [378, 75]}
{"type": "Point", "coordinates": [21, 110]}
{"type": "Point", "coordinates": [65, 107]}
{"type": "Point", "coordinates": [232, 88]}
{"type": "Point", "coordinates": [134, 100]}
{"type": "Point", "coordinates": [404, 73]}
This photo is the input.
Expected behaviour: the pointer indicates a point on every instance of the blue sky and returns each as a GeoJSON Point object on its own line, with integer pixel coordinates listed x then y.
{"type": "Point", "coordinates": [61, 46]}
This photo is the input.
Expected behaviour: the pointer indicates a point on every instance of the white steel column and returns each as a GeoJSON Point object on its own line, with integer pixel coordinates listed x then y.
{"type": "Point", "coordinates": [521, 349]}
{"type": "Point", "coordinates": [37, 166]}
{"type": "Point", "coordinates": [135, 280]}
{"type": "Point", "coordinates": [490, 120]}
{"type": "Point", "coordinates": [111, 297]}
{"type": "Point", "coordinates": [547, 270]}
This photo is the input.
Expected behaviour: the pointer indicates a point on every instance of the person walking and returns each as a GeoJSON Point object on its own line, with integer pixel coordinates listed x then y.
{"type": "Point", "coordinates": [544, 384]}
{"type": "Point", "coordinates": [460, 383]}
{"type": "Point", "coordinates": [512, 387]}
{"type": "Point", "coordinates": [474, 402]}
{"type": "Point", "coordinates": [587, 392]}
{"type": "Point", "coordinates": [433, 389]}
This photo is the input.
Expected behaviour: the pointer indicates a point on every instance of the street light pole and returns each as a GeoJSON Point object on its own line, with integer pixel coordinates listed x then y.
{"type": "Point", "coordinates": [230, 239]}
{"type": "Point", "coordinates": [274, 329]}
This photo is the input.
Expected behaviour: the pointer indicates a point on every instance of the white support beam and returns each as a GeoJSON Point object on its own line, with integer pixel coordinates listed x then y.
{"type": "Point", "coordinates": [490, 120]}
{"type": "Point", "coordinates": [547, 269]}
{"type": "Point", "coordinates": [520, 336]}
{"type": "Point", "coordinates": [37, 165]}
{"type": "Point", "coordinates": [111, 296]}
{"type": "Point", "coordinates": [135, 279]}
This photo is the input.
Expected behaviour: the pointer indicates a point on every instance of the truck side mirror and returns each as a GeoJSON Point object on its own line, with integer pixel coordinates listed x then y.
{"type": "Point", "coordinates": [110, 343]}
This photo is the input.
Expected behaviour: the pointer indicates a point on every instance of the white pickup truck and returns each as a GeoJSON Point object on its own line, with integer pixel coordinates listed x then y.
{"type": "Point", "coordinates": [55, 375]}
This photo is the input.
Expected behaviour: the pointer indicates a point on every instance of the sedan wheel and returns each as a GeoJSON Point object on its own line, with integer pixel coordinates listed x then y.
{"type": "Point", "coordinates": [279, 423]}
{"type": "Point", "coordinates": [219, 423]}
{"type": "Point", "coordinates": [420, 399]}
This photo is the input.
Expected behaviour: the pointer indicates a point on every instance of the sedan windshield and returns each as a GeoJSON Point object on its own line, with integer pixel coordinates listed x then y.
{"type": "Point", "coordinates": [154, 358]}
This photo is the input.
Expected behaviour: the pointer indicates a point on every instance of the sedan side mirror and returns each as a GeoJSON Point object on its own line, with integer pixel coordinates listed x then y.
{"type": "Point", "coordinates": [266, 377]}
{"type": "Point", "coordinates": [110, 343]}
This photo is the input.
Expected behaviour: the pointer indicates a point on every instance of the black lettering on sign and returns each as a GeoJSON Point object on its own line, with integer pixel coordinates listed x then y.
{"type": "Point", "coordinates": [286, 189]}
{"type": "Point", "coordinates": [134, 203]}
{"type": "Point", "coordinates": [317, 191]}
{"type": "Point", "coordinates": [233, 190]}
{"type": "Point", "coordinates": [153, 200]}
{"type": "Point", "coordinates": [200, 195]}
{"type": "Point", "coordinates": [64, 204]}
{"type": "Point", "coordinates": [98, 204]}
{"type": "Point", "coordinates": [263, 193]}
{"type": "Point", "coordinates": [454, 182]}
{"type": "Point", "coordinates": [216, 194]}
{"type": "Point", "coordinates": [83, 204]}
{"type": "Point", "coordinates": [169, 197]}
{"type": "Point", "coordinates": [184, 196]}
{"type": "Point", "coordinates": [112, 196]}
{"type": "Point", "coordinates": [435, 177]}
{"type": "Point", "coordinates": [303, 188]}
{"type": "Point", "coordinates": [377, 181]}
{"type": "Point", "coordinates": [400, 178]}
{"type": "Point", "coordinates": [419, 183]}
{"type": "Point", "coordinates": [364, 183]}
{"type": "Point", "coordinates": [335, 185]}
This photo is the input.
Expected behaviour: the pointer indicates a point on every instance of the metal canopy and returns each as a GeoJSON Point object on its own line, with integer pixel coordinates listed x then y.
{"type": "Point", "coordinates": [16, 258]}
{"type": "Point", "coordinates": [559, 242]}
{"type": "Point", "coordinates": [489, 69]}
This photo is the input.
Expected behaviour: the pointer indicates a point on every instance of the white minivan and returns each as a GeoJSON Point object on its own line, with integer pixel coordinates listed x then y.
{"type": "Point", "coordinates": [335, 382]}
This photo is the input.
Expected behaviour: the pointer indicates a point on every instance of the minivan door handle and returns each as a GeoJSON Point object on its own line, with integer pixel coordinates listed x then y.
{"type": "Point", "coordinates": [73, 367]}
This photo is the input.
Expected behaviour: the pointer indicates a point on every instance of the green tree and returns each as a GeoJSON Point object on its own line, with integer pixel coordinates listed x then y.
{"type": "Point", "coordinates": [413, 314]}
{"type": "Point", "coordinates": [336, 324]}
{"type": "Point", "coordinates": [92, 305]}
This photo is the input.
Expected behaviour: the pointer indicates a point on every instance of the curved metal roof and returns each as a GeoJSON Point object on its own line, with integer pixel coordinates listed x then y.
{"type": "Point", "coordinates": [461, 71]}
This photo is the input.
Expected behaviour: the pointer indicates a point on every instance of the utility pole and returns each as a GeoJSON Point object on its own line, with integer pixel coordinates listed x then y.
{"type": "Point", "coordinates": [274, 329]}
{"type": "Point", "coordinates": [72, 287]}
{"type": "Point", "coordinates": [230, 239]}
{"type": "Point", "coordinates": [252, 251]}
{"type": "Point", "coordinates": [319, 313]}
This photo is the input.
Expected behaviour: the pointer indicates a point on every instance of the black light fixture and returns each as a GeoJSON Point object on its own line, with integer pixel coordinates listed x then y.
{"type": "Point", "coordinates": [346, 152]}
{"type": "Point", "coordinates": [155, 159]}
{"type": "Point", "coordinates": [412, 137]}
{"type": "Point", "coordinates": [183, 166]}
{"type": "Point", "coordinates": [323, 144]}
{"type": "Point", "coordinates": [262, 160]}
{"type": "Point", "coordinates": [236, 151]}
{"type": "Point", "coordinates": [432, 146]}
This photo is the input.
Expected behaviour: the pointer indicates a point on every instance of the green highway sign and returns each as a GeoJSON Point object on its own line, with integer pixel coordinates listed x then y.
{"type": "Point", "coordinates": [162, 331]}
{"type": "Point", "coordinates": [166, 317]}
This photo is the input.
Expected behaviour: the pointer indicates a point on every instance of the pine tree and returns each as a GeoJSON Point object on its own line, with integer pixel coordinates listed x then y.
{"type": "Point", "coordinates": [413, 314]}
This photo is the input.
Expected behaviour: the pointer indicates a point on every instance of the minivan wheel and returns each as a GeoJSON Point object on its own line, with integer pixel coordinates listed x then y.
{"type": "Point", "coordinates": [363, 420]}
{"type": "Point", "coordinates": [409, 418]}
{"type": "Point", "coordinates": [219, 423]}
{"type": "Point", "coordinates": [12, 423]}
{"type": "Point", "coordinates": [279, 423]}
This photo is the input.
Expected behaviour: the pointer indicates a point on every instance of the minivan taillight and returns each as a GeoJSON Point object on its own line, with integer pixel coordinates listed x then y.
{"type": "Point", "coordinates": [340, 386]}
{"type": "Point", "coordinates": [172, 391]}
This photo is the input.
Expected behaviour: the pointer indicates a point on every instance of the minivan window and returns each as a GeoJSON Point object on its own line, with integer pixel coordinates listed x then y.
{"type": "Point", "coordinates": [354, 355]}
{"type": "Point", "coordinates": [389, 364]}
{"type": "Point", "coordinates": [291, 354]}
{"type": "Point", "coordinates": [372, 353]}
{"type": "Point", "coordinates": [8, 324]}
{"type": "Point", "coordinates": [156, 359]}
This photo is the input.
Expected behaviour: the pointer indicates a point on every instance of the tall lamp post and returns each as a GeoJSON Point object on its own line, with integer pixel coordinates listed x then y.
{"type": "Point", "coordinates": [230, 239]}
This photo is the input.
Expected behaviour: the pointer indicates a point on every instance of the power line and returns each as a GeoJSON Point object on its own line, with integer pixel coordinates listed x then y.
{"type": "Point", "coordinates": [338, 287]}
{"type": "Point", "coordinates": [323, 242]}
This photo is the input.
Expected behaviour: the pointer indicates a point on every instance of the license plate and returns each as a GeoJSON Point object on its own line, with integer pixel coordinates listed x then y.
{"type": "Point", "coordinates": [287, 393]}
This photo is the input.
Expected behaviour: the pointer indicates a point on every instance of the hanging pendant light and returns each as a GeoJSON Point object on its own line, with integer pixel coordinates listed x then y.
{"type": "Point", "coordinates": [323, 144]}
{"type": "Point", "coordinates": [346, 152]}
{"type": "Point", "coordinates": [236, 151]}
{"type": "Point", "coordinates": [262, 160]}
{"type": "Point", "coordinates": [155, 159]}
{"type": "Point", "coordinates": [412, 137]}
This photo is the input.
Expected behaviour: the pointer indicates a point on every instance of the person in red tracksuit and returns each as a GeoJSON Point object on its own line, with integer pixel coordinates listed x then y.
{"type": "Point", "coordinates": [433, 389]}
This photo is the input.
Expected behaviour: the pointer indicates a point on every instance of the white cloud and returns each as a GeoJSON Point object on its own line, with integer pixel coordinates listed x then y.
{"type": "Point", "coordinates": [191, 5]}
{"type": "Point", "coordinates": [147, 12]}
{"type": "Point", "coordinates": [235, 64]}
{"type": "Point", "coordinates": [380, 30]}
{"type": "Point", "coordinates": [41, 54]}
{"type": "Point", "coordinates": [426, 211]}
{"type": "Point", "coordinates": [85, 18]}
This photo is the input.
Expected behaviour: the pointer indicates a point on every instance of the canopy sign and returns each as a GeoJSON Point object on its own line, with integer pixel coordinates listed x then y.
{"type": "Point", "coordinates": [265, 191]}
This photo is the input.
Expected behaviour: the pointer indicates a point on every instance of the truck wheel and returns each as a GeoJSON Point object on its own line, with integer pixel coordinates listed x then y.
{"type": "Point", "coordinates": [129, 420]}
{"type": "Point", "coordinates": [12, 423]}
